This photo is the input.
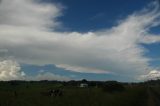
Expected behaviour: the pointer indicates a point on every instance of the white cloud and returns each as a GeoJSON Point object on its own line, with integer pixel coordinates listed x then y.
{"type": "Point", "coordinates": [28, 13]}
{"type": "Point", "coordinates": [10, 70]}
{"type": "Point", "coordinates": [26, 35]}
{"type": "Point", "coordinates": [82, 69]}
{"type": "Point", "coordinates": [151, 39]}
{"type": "Point", "coordinates": [152, 75]}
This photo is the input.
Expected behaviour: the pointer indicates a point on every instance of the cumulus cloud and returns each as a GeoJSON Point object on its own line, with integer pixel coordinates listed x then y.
{"type": "Point", "coordinates": [10, 70]}
{"type": "Point", "coordinates": [26, 35]}
{"type": "Point", "coordinates": [152, 75]}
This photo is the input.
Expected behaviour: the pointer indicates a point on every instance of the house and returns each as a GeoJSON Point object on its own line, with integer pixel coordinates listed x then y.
{"type": "Point", "coordinates": [83, 85]}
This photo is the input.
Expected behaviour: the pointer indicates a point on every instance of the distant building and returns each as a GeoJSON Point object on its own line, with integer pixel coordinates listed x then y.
{"type": "Point", "coordinates": [83, 85]}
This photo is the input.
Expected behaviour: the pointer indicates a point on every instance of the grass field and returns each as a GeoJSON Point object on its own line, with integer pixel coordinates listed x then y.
{"type": "Point", "coordinates": [29, 94]}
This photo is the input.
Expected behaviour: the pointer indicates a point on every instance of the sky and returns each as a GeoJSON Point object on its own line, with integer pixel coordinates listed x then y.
{"type": "Point", "coordinates": [79, 39]}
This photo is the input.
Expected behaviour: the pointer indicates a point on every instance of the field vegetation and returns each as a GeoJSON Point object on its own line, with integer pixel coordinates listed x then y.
{"type": "Point", "coordinates": [110, 93]}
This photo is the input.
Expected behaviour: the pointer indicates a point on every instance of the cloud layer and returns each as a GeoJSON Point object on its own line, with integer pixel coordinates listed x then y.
{"type": "Point", "coordinates": [28, 13]}
{"type": "Point", "coordinates": [27, 34]}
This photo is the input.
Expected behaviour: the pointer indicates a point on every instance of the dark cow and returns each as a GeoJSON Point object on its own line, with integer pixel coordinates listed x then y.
{"type": "Point", "coordinates": [56, 92]}
{"type": "Point", "coordinates": [53, 93]}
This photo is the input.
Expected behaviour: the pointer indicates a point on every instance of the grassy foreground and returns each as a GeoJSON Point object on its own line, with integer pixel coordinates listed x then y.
{"type": "Point", "coordinates": [29, 94]}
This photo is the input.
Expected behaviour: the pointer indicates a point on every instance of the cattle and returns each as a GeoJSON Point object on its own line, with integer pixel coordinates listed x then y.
{"type": "Point", "coordinates": [56, 92]}
{"type": "Point", "coordinates": [53, 93]}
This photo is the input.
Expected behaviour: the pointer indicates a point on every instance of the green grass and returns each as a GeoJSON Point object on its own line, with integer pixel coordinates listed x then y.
{"type": "Point", "coordinates": [29, 94]}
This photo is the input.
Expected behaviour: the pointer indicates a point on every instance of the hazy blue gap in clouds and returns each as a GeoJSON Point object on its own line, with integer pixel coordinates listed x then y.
{"type": "Point", "coordinates": [33, 70]}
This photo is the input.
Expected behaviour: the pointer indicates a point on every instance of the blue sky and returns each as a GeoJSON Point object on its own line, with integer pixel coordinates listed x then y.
{"type": "Point", "coordinates": [83, 16]}
{"type": "Point", "coordinates": [79, 39]}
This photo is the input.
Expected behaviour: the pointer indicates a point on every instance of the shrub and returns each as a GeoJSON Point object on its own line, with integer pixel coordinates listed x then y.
{"type": "Point", "coordinates": [113, 86]}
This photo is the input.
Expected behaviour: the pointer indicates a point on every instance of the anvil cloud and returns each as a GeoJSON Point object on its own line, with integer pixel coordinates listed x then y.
{"type": "Point", "coordinates": [28, 35]}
